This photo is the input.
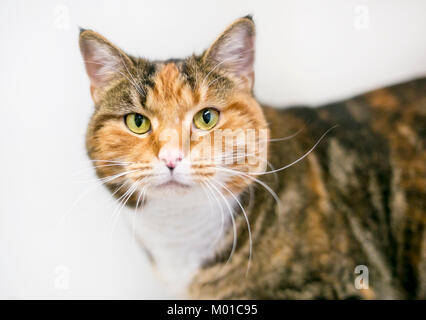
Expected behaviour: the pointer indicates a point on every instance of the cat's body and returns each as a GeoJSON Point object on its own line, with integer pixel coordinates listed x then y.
{"type": "Point", "coordinates": [357, 198]}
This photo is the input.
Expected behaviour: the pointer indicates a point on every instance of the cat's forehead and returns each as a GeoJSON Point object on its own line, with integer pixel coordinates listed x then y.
{"type": "Point", "coordinates": [180, 85]}
{"type": "Point", "coordinates": [170, 90]}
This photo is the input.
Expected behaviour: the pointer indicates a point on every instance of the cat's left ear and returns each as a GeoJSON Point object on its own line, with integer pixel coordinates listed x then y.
{"type": "Point", "coordinates": [233, 51]}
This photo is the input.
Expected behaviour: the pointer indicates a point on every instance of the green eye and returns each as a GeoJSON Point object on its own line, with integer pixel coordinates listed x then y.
{"type": "Point", "coordinates": [137, 123]}
{"type": "Point", "coordinates": [206, 118]}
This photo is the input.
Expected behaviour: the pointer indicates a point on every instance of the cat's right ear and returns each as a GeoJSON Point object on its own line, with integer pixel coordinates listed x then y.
{"type": "Point", "coordinates": [104, 62]}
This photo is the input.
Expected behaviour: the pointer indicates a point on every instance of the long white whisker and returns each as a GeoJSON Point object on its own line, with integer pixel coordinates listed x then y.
{"type": "Point", "coordinates": [91, 188]}
{"type": "Point", "coordinates": [234, 226]}
{"type": "Point", "coordinates": [221, 212]}
{"type": "Point", "coordinates": [141, 194]}
{"type": "Point", "coordinates": [287, 137]}
{"type": "Point", "coordinates": [112, 161]}
{"type": "Point", "coordinates": [100, 166]}
{"type": "Point", "coordinates": [268, 188]}
{"type": "Point", "coordinates": [299, 159]}
{"type": "Point", "coordinates": [124, 198]}
{"type": "Point", "coordinates": [247, 221]}
{"type": "Point", "coordinates": [230, 157]}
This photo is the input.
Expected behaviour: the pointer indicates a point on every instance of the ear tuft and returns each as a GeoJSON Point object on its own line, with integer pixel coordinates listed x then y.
{"type": "Point", "coordinates": [249, 16]}
{"type": "Point", "coordinates": [81, 30]}
{"type": "Point", "coordinates": [234, 50]}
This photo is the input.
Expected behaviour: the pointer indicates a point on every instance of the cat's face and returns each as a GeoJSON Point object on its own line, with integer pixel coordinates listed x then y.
{"type": "Point", "coordinates": [175, 126]}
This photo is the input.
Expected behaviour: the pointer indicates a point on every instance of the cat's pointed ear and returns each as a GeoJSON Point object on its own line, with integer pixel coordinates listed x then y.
{"type": "Point", "coordinates": [233, 51]}
{"type": "Point", "coordinates": [104, 61]}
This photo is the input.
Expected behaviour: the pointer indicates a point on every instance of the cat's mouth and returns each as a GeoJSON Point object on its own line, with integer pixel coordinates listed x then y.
{"type": "Point", "coordinates": [173, 184]}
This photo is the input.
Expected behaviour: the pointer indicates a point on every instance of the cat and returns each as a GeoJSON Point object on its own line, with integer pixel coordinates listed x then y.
{"type": "Point", "coordinates": [329, 203]}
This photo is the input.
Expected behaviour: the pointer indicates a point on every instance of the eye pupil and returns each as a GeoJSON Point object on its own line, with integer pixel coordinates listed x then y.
{"type": "Point", "coordinates": [138, 120]}
{"type": "Point", "coordinates": [137, 123]}
{"type": "Point", "coordinates": [206, 119]}
{"type": "Point", "coordinates": [207, 116]}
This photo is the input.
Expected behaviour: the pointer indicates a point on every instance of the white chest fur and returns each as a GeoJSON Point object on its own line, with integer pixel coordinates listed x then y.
{"type": "Point", "coordinates": [182, 231]}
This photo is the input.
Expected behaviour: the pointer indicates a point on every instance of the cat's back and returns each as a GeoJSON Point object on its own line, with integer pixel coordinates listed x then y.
{"type": "Point", "coordinates": [360, 195]}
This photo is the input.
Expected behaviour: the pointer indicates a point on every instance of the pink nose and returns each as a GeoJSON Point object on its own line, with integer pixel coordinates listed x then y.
{"type": "Point", "coordinates": [170, 157]}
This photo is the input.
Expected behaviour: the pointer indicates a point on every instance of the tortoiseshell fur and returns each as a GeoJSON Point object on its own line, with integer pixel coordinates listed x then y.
{"type": "Point", "coordinates": [359, 198]}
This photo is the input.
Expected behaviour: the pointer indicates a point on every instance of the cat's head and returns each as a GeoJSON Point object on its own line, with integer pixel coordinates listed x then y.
{"type": "Point", "coordinates": [178, 125]}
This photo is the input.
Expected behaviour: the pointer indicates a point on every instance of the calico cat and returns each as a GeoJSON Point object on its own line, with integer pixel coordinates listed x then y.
{"type": "Point", "coordinates": [323, 193]}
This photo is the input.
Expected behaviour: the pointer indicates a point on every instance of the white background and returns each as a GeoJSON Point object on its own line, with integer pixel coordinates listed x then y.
{"type": "Point", "coordinates": [308, 52]}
